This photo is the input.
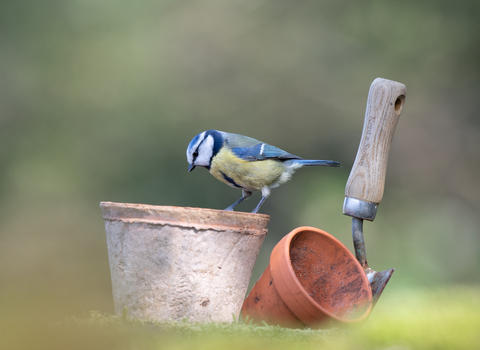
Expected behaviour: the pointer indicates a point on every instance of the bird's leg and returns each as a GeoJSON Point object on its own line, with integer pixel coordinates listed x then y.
{"type": "Point", "coordinates": [245, 195]}
{"type": "Point", "coordinates": [265, 194]}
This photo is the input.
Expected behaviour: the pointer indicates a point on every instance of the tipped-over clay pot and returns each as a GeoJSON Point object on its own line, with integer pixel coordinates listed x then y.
{"type": "Point", "coordinates": [312, 279]}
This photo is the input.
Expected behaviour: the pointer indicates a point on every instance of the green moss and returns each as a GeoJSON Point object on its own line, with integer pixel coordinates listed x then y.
{"type": "Point", "coordinates": [442, 318]}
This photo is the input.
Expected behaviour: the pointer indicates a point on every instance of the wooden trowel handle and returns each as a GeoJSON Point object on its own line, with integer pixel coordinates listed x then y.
{"type": "Point", "coordinates": [384, 106]}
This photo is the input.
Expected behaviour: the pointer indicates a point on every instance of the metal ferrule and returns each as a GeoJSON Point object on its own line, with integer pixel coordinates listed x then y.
{"type": "Point", "coordinates": [359, 209]}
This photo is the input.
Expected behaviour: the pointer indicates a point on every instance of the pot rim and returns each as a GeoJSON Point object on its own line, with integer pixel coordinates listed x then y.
{"type": "Point", "coordinates": [198, 218]}
{"type": "Point", "coordinates": [300, 303]}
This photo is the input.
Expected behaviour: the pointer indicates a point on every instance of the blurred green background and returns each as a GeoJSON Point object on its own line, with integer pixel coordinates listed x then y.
{"type": "Point", "coordinates": [99, 100]}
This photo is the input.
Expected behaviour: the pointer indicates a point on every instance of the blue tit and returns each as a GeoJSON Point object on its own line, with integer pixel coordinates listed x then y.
{"type": "Point", "coordinates": [245, 163]}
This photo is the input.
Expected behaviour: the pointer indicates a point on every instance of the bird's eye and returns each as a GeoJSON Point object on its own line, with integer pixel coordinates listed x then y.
{"type": "Point", "coordinates": [195, 154]}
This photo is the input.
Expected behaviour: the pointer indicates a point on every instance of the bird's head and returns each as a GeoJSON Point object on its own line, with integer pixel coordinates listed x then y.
{"type": "Point", "coordinates": [203, 148]}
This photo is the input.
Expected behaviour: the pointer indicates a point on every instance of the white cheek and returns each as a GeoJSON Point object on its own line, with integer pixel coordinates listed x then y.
{"type": "Point", "coordinates": [205, 152]}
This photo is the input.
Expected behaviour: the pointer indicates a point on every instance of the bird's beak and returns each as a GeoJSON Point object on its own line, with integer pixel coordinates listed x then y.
{"type": "Point", "coordinates": [191, 167]}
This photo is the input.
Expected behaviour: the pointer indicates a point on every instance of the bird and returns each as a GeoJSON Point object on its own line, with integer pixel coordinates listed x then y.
{"type": "Point", "coordinates": [245, 163]}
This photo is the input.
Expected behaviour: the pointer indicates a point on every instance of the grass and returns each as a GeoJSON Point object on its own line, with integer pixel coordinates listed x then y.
{"type": "Point", "coordinates": [446, 318]}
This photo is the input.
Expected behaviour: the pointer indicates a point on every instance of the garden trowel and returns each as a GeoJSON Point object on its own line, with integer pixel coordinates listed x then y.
{"type": "Point", "coordinates": [365, 185]}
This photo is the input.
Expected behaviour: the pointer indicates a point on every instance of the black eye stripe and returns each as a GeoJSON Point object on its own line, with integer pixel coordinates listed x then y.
{"type": "Point", "coordinates": [195, 154]}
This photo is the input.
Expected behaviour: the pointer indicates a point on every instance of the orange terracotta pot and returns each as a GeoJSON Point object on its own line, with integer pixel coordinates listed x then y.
{"type": "Point", "coordinates": [312, 279]}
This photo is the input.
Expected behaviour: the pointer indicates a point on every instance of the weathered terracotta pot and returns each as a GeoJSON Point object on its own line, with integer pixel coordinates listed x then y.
{"type": "Point", "coordinates": [172, 262]}
{"type": "Point", "coordinates": [312, 279]}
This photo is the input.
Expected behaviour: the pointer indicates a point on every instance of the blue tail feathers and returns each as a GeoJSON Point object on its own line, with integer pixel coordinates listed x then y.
{"type": "Point", "coordinates": [309, 162]}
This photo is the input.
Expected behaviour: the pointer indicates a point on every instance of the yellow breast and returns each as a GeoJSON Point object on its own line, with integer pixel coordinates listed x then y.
{"type": "Point", "coordinates": [239, 173]}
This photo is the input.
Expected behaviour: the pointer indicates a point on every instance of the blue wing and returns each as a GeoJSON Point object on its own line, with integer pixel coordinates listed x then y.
{"type": "Point", "coordinates": [262, 151]}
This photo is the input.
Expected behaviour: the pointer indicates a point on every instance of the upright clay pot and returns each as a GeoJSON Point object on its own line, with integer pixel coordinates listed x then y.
{"type": "Point", "coordinates": [312, 279]}
{"type": "Point", "coordinates": [173, 262]}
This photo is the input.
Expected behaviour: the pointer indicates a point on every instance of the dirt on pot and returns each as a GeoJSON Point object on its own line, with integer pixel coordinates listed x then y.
{"type": "Point", "coordinates": [328, 275]}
